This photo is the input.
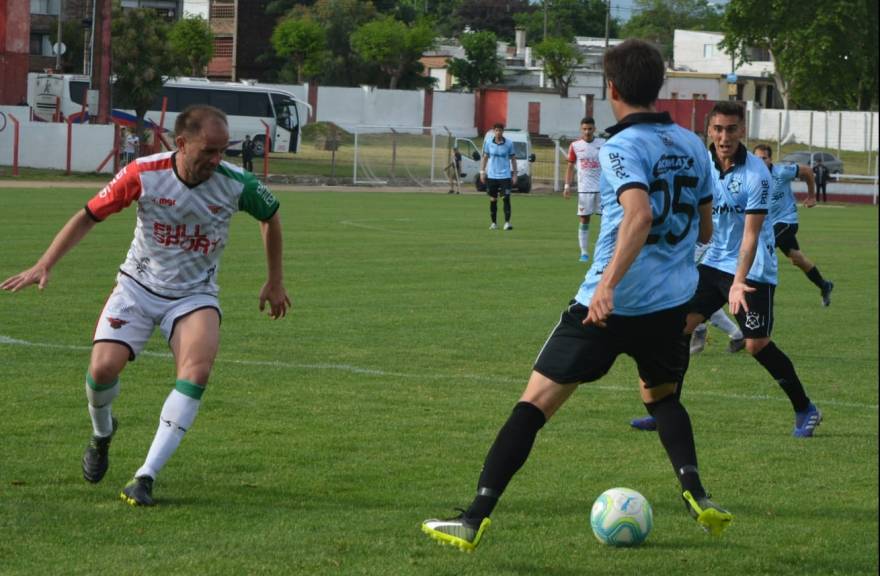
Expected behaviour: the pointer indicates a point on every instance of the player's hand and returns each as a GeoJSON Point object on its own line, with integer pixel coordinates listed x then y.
{"type": "Point", "coordinates": [566, 192]}
{"type": "Point", "coordinates": [37, 274]}
{"type": "Point", "coordinates": [601, 306]}
{"type": "Point", "coordinates": [513, 179]}
{"type": "Point", "coordinates": [276, 296]}
{"type": "Point", "coordinates": [737, 297]}
{"type": "Point", "coordinates": [809, 202]}
{"type": "Point", "coordinates": [482, 177]}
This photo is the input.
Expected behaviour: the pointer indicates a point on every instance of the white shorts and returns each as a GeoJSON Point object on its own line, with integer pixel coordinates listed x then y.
{"type": "Point", "coordinates": [589, 203]}
{"type": "Point", "coordinates": [132, 313]}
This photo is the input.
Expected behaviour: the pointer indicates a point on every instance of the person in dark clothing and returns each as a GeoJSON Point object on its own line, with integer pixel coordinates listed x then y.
{"type": "Point", "coordinates": [247, 154]}
{"type": "Point", "coordinates": [821, 174]}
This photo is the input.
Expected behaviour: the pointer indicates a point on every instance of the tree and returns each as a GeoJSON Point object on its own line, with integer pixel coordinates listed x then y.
{"type": "Point", "coordinates": [657, 20]}
{"type": "Point", "coordinates": [392, 45]}
{"type": "Point", "coordinates": [495, 16]}
{"type": "Point", "coordinates": [304, 41]}
{"type": "Point", "coordinates": [192, 40]}
{"type": "Point", "coordinates": [142, 59]}
{"type": "Point", "coordinates": [825, 60]}
{"type": "Point", "coordinates": [340, 18]}
{"type": "Point", "coordinates": [566, 19]}
{"type": "Point", "coordinates": [480, 65]}
{"type": "Point", "coordinates": [559, 59]}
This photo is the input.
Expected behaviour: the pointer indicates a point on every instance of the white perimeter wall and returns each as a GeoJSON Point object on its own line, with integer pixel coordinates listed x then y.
{"type": "Point", "coordinates": [856, 131]}
{"type": "Point", "coordinates": [454, 111]}
{"type": "Point", "coordinates": [44, 145]}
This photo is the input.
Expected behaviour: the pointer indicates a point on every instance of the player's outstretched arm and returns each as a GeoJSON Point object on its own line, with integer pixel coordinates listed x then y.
{"type": "Point", "coordinates": [273, 290]}
{"type": "Point", "coordinates": [75, 230]}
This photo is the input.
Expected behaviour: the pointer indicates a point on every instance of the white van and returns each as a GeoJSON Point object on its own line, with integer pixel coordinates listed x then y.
{"type": "Point", "coordinates": [471, 156]}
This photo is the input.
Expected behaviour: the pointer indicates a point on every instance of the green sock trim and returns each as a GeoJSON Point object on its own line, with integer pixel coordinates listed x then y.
{"type": "Point", "coordinates": [99, 387]}
{"type": "Point", "coordinates": [585, 226]}
{"type": "Point", "coordinates": [190, 389]}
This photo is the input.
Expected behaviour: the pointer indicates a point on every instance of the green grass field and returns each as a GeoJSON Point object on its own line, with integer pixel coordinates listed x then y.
{"type": "Point", "coordinates": [324, 439]}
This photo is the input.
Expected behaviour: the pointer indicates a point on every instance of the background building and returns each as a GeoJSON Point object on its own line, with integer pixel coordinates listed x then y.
{"type": "Point", "coordinates": [242, 32]}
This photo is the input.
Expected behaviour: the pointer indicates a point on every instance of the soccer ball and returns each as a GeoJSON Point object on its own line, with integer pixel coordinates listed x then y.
{"type": "Point", "coordinates": [621, 517]}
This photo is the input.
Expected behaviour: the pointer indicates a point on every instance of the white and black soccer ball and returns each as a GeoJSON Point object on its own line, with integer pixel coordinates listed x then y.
{"type": "Point", "coordinates": [621, 517]}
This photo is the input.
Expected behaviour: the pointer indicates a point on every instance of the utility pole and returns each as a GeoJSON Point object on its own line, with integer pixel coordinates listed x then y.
{"type": "Point", "coordinates": [545, 2]}
{"type": "Point", "coordinates": [58, 43]}
{"type": "Point", "coordinates": [607, 32]}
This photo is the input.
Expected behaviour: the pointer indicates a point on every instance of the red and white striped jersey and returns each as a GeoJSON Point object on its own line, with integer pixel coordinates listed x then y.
{"type": "Point", "coordinates": [585, 155]}
{"type": "Point", "coordinates": [181, 231]}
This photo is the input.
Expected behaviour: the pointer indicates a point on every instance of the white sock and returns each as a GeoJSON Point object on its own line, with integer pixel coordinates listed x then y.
{"type": "Point", "coordinates": [177, 417]}
{"type": "Point", "coordinates": [721, 321]}
{"type": "Point", "coordinates": [100, 399]}
{"type": "Point", "coordinates": [584, 238]}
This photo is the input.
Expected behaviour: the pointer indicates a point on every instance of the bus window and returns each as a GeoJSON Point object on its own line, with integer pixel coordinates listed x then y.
{"type": "Point", "coordinates": [255, 104]}
{"type": "Point", "coordinates": [225, 100]}
{"type": "Point", "coordinates": [78, 91]}
{"type": "Point", "coordinates": [285, 112]}
{"type": "Point", "coordinates": [170, 93]}
{"type": "Point", "coordinates": [189, 96]}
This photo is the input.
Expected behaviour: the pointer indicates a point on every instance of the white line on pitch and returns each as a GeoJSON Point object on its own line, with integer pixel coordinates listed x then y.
{"type": "Point", "coordinates": [427, 376]}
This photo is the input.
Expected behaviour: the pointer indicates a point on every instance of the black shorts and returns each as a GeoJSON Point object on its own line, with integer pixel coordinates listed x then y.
{"type": "Point", "coordinates": [576, 353]}
{"type": "Point", "coordinates": [712, 292]}
{"type": "Point", "coordinates": [495, 186]}
{"type": "Point", "coordinates": [786, 237]}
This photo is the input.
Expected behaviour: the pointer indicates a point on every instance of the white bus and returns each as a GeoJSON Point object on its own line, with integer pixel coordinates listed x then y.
{"type": "Point", "coordinates": [245, 106]}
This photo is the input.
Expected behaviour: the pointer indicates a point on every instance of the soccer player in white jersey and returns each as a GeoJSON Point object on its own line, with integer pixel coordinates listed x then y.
{"type": "Point", "coordinates": [168, 280]}
{"type": "Point", "coordinates": [657, 200]}
{"type": "Point", "coordinates": [584, 154]}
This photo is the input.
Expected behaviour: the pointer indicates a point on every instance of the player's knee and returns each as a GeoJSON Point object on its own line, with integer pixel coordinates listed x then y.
{"type": "Point", "coordinates": [103, 373]}
{"type": "Point", "coordinates": [657, 393]}
{"type": "Point", "coordinates": [755, 345]}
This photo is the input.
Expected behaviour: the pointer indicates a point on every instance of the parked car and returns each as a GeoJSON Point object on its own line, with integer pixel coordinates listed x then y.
{"type": "Point", "coordinates": [522, 147]}
{"type": "Point", "coordinates": [832, 162]}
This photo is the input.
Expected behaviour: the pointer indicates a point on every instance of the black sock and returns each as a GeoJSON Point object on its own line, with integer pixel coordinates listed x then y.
{"type": "Point", "coordinates": [815, 277]}
{"type": "Point", "coordinates": [677, 437]}
{"type": "Point", "coordinates": [507, 455]}
{"type": "Point", "coordinates": [507, 208]}
{"type": "Point", "coordinates": [493, 210]}
{"type": "Point", "coordinates": [780, 367]}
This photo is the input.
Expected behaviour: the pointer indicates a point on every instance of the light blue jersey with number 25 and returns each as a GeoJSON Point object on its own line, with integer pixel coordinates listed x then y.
{"type": "Point", "coordinates": [671, 166]}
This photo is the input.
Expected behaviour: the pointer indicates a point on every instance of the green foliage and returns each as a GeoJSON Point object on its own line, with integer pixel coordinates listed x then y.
{"type": "Point", "coordinates": [191, 38]}
{"type": "Point", "coordinates": [566, 19]}
{"type": "Point", "coordinates": [495, 16]}
{"type": "Point", "coordinates": [304, 41]}
{"type": "Point", "coordinates": [827, 60]}
{"type": "Point", "coordinates": [481, 65]}
{"type": "Point", "coordinates": [559, 59]}
{"type": "Point", "coordinates": [142, 59]}
{"type": "Point", "coordinates": [393, 46]}
{"type": "Point", "coordinates": [340, 18]}
{"type": "Point", "coordinates": [657, 20]}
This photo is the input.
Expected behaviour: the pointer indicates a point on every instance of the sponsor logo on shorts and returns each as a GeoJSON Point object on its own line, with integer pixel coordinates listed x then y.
{"type": "Point", "coordinates": [116, 323]}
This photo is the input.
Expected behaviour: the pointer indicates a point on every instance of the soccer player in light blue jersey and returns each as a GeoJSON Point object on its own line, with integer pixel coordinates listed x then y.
{"type": "Point", "coordinates": [784, 216]}
{"type": "Point", "coordinates": [657, 201]}
{"type": "Point", "coordinates": [740, 266]}
{"type": "Point", "coordinates": [498, 173]}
